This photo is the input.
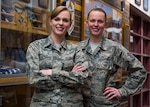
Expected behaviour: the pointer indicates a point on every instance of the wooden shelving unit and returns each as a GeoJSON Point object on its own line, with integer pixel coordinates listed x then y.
{"type": "Point", "coordinates": [140, 47]}
{"type": "Point", "coordinates": [7, 13]}
{"type": "Point", "coordinates": [21, 23]}
{"type": "Point", "coordinates": [19, 19]}
{"type": "Point", "coordinates": [31, 20]}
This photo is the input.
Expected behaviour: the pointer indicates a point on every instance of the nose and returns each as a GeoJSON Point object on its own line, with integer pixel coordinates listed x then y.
{"type": "Point", "coordinates": [96, 23]}
{"type": "Point", "coordinates": [61, 22]}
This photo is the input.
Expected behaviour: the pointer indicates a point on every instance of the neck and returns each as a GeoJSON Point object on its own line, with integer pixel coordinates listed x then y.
{"type": "Point", "coordinates": [95, 39]}
{"type": "Point", "coordinates": [57, 39]}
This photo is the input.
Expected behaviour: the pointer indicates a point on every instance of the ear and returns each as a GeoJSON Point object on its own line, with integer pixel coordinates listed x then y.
{"type": "Point", "coordinates": [86, 22]}
{"type": "Point", "coordinates": [70, 23]}
{"type": "Point", "coordinates": [106, 24]}
{"type": "Point", "coordinates": [50, 21]}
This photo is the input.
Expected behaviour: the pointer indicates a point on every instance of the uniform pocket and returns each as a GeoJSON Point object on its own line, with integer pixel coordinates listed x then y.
{"type": "Point", "coordinates": [104, 65]}
{"type": "Point", "coordinates": [68, 65]}
{"type": "Point", "coordinates": [73, 105]}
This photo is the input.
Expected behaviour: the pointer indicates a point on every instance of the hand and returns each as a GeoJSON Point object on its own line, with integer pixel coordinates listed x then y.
{"type": "Point", "coordinates": [111, 93]}
{"type": "Point", "coordinates": [47, 72]}
{"type": "Point", "coordinates": [78, 68]}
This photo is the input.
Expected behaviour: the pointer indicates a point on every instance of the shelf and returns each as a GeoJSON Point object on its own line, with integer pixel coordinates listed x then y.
{"type": "Point", "coordinates": [39, 19]}
{"type": "Point", "coordinates": [134, 34]}
{"type": "Point", "coordinates": [147, 83]}
{"type": "Point", "coordinates": [146, 38]}
{"type": "Point", "coordinates": [146, 31]}
{"type": "Point", "coordinates": [146, 63]}
{"type": "Point", "coordinates": [145, 90]}
{"type": "Point", "coordinates": [137, 100]}
{"type": "Point", "coordinates": [135, 44]}
{"type": "Point", "coordinates": [6, 23]}
{"type": "Point", "coordinates": [138, 57]}
{"type": "Point", "coordinates": [135, 22]}
{"type": "Point", "coordinates": [7, 13]}
{"type": "Point", "coordinates": [19, 27]}
{"type": "Point", "coordinates": [16, 95]}
{"type": "Point", "coordinates": [25, 18]}
{"type": "Point", "coordinates": [146, 45]}
{"type": "Point", "coordinates": [140, 48]}
{"type": "Point", "coordinates": [13, 81]}
{"type": "Point", "coordinates": [146, 99]}
{"type": "Point", "coordinates": [6, 8]}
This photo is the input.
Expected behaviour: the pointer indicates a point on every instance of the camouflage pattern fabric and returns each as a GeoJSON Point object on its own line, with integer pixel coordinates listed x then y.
{"type": "Point", "coordinates": [104, 62]}
{"type": "Point", "coordinates": [61, 89]}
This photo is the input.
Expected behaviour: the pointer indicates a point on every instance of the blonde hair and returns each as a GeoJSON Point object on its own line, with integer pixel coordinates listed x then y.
{"type": "Point", "coordinates": [58, 10]}
{"type": "Point", "coordinates": [97, 9]}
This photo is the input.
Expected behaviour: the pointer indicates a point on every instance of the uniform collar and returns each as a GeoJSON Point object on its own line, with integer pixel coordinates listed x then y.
{"type": "Point", "coordinates": [101, 44]}
{"type": "Point", "coordinates": [49, 43]}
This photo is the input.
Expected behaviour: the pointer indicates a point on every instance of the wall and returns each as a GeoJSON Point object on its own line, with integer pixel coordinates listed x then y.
{"type": "Point", "coordinates": [76, 28]}
{"type": "Point", "coordinates": [140, 5]}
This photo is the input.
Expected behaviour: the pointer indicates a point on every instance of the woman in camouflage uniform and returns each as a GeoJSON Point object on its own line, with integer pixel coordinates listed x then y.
{"type": "Point", "coordinates": [50, 66]}
{"type": "Point", "coordinates": [106, 57]}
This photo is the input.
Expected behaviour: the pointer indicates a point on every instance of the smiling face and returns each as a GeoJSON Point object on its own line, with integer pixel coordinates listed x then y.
{"type": "Point", "coordinates": [60, 23]}
{"type": "Point", "coordinates": [96, 23]}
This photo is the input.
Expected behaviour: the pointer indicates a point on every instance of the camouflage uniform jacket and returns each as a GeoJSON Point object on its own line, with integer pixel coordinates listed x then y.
{"type": "Point", "coordinates": [104, 62]}
{"type": "Point", "coordinates": [61, 88]}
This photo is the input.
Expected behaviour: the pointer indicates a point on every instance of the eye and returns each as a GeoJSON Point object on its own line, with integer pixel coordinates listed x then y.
{"type": "Point", "coordinates": [100, 21]}
{"type": "Point", "coordinates": [57, 19]}
{"type": "Point", "coordinates": [92, 21]}
{"type": "Point", "coordinates": [65, 20]}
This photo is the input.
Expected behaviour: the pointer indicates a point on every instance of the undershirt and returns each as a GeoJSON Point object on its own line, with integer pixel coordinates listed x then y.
{"type": "Point", "coordinates": [93, 45]}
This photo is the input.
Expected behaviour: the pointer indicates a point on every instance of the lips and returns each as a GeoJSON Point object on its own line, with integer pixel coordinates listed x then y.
{"type": "Point", "coordinates": [95, 29]}
{"type": "Point", "coordinates": [60, 28]}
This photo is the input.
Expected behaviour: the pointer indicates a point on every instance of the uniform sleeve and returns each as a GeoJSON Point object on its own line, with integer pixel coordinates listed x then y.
{"type": "Point", "coordinates": [39, 80]}
{"type": "Point", "coordinates": [69, 78]}
{"type": "Point", "coordinates": [35, 78]}
{"type": "Point", "coordinates": [72, 78]}
{"type": "Point", "coordinates": [137, 73]}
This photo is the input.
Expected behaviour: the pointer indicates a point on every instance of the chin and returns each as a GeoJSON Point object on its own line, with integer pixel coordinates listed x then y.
{"type": "Point", "coordinates": [95, 34]}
